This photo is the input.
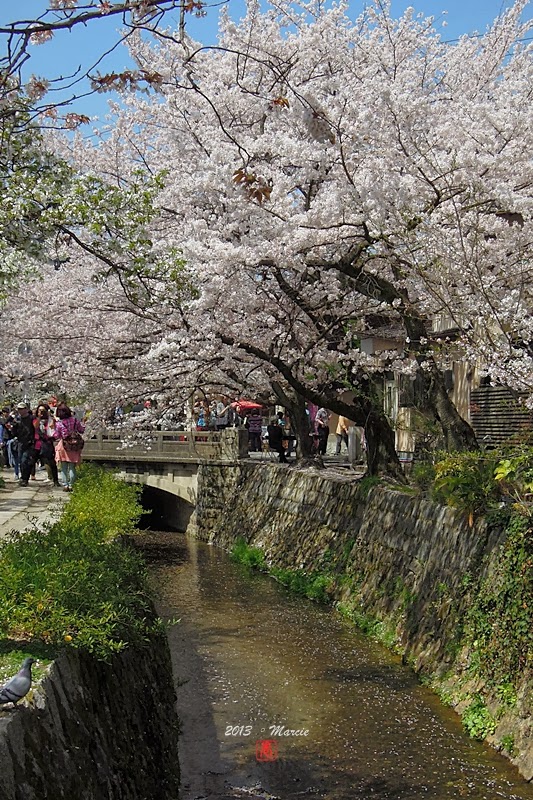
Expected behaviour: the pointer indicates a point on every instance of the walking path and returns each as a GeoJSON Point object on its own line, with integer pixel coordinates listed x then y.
{"type": "Point", "coordinates": [23, 506]}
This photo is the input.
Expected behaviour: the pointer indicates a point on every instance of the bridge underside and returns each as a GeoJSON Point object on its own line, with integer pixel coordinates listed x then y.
{"type": "Point", "coordinates": [179, 480]}
{"type": "Point", "coordinates": [164, 511]}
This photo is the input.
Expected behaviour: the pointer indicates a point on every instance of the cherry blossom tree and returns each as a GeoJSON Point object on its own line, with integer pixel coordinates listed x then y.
{"type": "Point", "coordinates": [322, 170]}
{"type": "Point", "coordinates": [322, 173]}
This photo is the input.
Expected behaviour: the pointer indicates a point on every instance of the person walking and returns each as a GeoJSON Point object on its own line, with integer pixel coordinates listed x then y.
{"type": "Point", "coordinates": [254, 423]}
{"type": "Point", "coordinates": [275, 440]}
{"type": "Point", "coordinates": [342, 433]}
{"type": "Point", "coordinates": [46, 437]}
{"type": "Point", "coordinates": [10, 441]}
{"type": "Point", "coordinates": [25, 432]}
{"type": "Point", "coordinates": [67, 456]}
{"type": "Point", "coordinates": [322, 430]}
{"type": "Point", "coordinates": [222, 418]}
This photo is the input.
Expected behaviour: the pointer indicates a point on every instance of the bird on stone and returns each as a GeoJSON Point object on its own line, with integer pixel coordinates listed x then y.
{"type": "Point", "coordinates": [18, 686]}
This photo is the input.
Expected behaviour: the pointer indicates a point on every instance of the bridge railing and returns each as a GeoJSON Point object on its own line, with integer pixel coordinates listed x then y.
{"type": "Point", "coordinates": [170, 446]}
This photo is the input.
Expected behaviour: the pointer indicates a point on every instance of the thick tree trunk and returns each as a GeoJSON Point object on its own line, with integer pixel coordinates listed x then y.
{"type": "Point", "coordinates": [297, 407]}
{"type": "Point", "coordinates": [457, 433]}
{"type": "Point", "coordinates": [381, 456]}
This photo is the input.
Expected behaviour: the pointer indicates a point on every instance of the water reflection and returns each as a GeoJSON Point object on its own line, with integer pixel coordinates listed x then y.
{"type": "Point", "coordinates": [248, 657]}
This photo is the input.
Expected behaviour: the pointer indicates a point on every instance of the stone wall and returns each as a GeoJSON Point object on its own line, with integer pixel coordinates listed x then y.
{"type": "Point", "coordinates": [95, 731]}
{"type": "Point", "coordinates": [396, 561]}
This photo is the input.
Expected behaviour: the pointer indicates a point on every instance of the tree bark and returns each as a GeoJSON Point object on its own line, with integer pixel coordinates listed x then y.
{"type": "Point", "coordinates": [458, 434]}
{"type": "Point", "coordinates": [296, 405]}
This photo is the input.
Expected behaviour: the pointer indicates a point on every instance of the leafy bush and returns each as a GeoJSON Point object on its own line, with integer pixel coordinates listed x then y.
{"type": "Point", "coordinates": [481, 482]}
{"type": "Point", "coordinates": [514, 474]}
{"type": "Point", "coordinates": [466, 481]}
{"type": "Point", "coordinates": [315, 585]}
{"type": "Point", "coordinates": [477, 719]}
{"type": "Point", "coordinates": [100, 501]}
{"type": "Point", "coordinates": [367, 483]}
{"type": "Point", "coordinates": [423, 475]}
{"type": "Point", "coordinates": [72, 583]}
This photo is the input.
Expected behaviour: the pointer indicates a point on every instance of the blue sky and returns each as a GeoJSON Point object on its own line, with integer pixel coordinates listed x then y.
{"type": "Point", "coordinates": [82, 47]}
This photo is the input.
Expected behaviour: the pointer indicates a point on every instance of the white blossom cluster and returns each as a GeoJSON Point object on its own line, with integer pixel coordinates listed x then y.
{"type": "Point", "coordinates": [325, 178]}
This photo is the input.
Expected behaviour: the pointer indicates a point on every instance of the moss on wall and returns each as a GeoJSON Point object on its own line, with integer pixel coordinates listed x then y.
{"type": "Point", "coordinates": [405, 569]}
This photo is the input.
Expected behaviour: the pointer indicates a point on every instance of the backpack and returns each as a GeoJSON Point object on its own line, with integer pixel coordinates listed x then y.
{"type": "Point", "coordinates": [73, 442]}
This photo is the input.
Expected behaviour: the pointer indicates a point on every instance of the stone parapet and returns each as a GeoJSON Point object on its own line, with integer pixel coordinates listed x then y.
{"type": "Point", "coordinates": [95, 731]}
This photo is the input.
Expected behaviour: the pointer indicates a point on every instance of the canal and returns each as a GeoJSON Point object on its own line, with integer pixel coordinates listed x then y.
{"type": "Point", "coordinates": [282, 698]}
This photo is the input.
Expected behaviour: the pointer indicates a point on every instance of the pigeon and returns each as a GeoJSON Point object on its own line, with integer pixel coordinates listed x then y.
{"type": "Point", "coordinates": [18, 686]}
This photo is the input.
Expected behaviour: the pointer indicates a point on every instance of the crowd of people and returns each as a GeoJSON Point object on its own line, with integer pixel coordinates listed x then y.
{"type": "Point", "coordinates": [51, 436]}
{"type": "Point", "coordinates": [276, 435]}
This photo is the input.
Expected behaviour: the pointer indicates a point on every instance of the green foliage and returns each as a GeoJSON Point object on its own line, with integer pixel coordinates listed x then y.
{"type": "Point", "coordinates": [477, 719]}
{"type": "Point", "coordinates": [506, 693]}
{"type": "Point", "coordinates": [367, 483]}
{"type": "Point", "coordinates": [371, 626]}
{"type": "Point", "coordinates": [481, 482]}
{"type": "Point", "coordinates": [101, 502]}
{"type": "Point", "coordinates": [314, 585]}
{"type": "Point", "coordinates": [466, 481]}
{"type": "Point", "coordinates": [515, 477]}
{"type": "Point", "coordinates": [499, 623]}
{"type": "Point", "coordinates": [252, 557]}
{"type": "Point", "coordinates": [73, 583]}
{"type": "Point", "coordinates": [423, 475]}
{"type": "Point", "coordinates": [508, 745]}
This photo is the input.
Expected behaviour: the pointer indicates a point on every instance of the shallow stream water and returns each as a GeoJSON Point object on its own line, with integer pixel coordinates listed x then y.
{"type": "Point", "coordinates": [248, 657]}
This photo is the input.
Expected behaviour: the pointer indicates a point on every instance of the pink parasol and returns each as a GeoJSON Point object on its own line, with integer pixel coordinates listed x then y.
{"type": "Point", "coordinates": [246, 405]}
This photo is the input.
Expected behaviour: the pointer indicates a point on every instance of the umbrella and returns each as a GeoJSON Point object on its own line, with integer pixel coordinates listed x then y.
{"type": "Point", "coordinates": [246, 405]}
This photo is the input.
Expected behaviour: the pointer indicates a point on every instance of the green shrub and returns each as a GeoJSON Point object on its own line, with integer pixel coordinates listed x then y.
{"type": "Point", "coordinates": [477, 719]}
{"type": "Point", "coordinates": [71, 583]}
{"type": "Point", "coordinates": [508, 744]}
{"type": "Point", "coordinates": [367, 483]}
{"type": "Point", "coordinates": [101, 501]}
{"type": "Point", "coordinates": [423, 475]}
{"type": "Point", "coordinates": [466, 481]}
{"type": "Point", "coordinates": [314, 585]}
{"type": "Point", "coordinates": [499, 622]}
{"type": "Point", "coordinates": [514, 474]}
{"type": "Point", "coordinates": [242, 553]}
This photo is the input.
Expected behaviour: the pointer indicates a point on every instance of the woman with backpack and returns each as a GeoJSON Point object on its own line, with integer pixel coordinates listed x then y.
{"type": "Point", "coordinates": [69, 445]}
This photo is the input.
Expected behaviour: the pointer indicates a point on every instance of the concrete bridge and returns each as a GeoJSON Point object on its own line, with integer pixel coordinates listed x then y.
{"type": "Point", "coordinates": [167, 462]}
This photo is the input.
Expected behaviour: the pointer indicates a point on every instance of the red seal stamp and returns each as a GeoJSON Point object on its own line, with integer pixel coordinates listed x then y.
{"type": "Point", "coordinates": [266, 750]}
